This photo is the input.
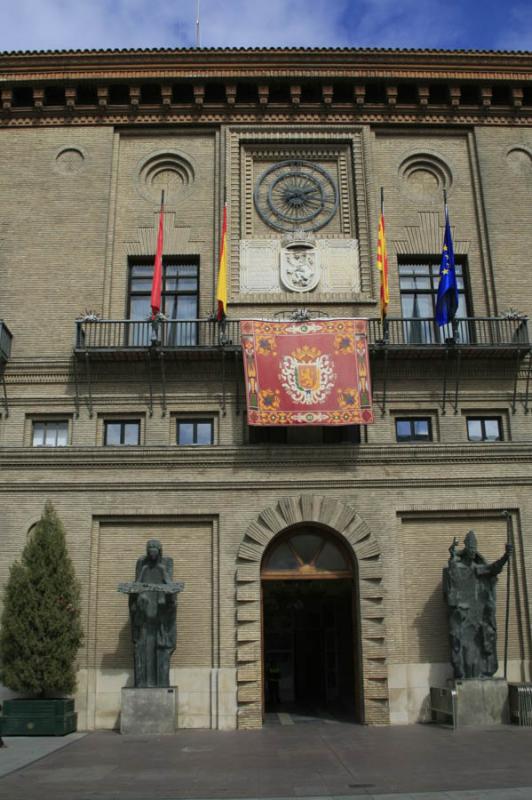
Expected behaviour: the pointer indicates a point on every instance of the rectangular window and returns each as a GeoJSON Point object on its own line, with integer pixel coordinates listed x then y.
{"type": "Point", "coordinates": [194, 431]}
{"type": "Point", "coordinates": [122, 432]}
{"type": "Point", "coordinates": [311, 435]}
{"type": "Point", "coordinates": [179, 301]}
{"type": "Point", "coordinates": [413, 429]}
{"type": "Point", "coordinates": [50, 433]}
{"type": "Point", "coordinates": [484, 429]}
{"type": "Point", "coordinates": [418, 284]}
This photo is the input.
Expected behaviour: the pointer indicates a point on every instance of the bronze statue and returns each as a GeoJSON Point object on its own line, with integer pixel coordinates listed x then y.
{"type": "Point", "coordinates": [469, 590]}
{"type": "Point", "coordinates": [152, 609]}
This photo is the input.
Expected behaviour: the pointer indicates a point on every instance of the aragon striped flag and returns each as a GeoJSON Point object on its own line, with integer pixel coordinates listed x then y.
{"type": "Point", "coordinates": [382, 263]}
{"type": "Point", "coordinates": [221, 292]}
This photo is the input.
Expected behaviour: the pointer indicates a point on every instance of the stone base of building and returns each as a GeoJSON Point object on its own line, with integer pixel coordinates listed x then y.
{"type": "Point", "coordinates": [481, 702]}
{"type": "Point", "coordinates": [149, 711]}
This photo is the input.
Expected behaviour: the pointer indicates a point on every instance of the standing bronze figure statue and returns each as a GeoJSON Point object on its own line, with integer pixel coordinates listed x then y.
{"type": "Point", "coordinates": [152, 609]}
{"type": "Point", "coordinates": [469, 590]}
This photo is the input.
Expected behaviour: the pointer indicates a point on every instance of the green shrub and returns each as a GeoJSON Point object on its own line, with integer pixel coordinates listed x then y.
{"type": "Point", "coordinates": [40, 631]}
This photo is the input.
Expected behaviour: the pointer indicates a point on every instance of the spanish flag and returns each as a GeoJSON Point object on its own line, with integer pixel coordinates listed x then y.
{"type": "Point", "coordinates": [382, 265]}
{"type": "Point", "coordinates": [221, 292]}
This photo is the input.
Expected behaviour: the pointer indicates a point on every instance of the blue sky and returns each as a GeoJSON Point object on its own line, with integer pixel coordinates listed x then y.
{"type": "Point", "coordinates": [72, 24]}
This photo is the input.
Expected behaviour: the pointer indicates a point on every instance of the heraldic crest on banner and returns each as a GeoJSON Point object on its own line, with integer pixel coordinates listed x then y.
{"type": "Point", "coordinates": [307, 373]}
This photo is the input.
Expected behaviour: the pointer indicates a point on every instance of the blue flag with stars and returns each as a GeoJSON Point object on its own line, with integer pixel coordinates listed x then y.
{"type": "Point", "coordinates": [447, 301]}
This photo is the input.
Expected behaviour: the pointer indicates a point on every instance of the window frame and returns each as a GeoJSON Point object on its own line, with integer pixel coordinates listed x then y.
{"type": "Point", "coordinates": [431, 332]}
{"type": "Point", "coordinates": [195, 421]}
{"type": "Point", "coordinates": [46, 421]}
{"type": "Point", "coordinates": [413, 437]}
{"type": "Point", "coordinates": [168, 261]}
{"type": "Point", "coordinates": [483, 418]}
{"type": "Point", "coordinates": [122, 421]}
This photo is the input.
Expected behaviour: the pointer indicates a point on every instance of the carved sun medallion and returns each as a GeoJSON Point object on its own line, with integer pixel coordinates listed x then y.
{"type": "Point", "coordinates": [296, 194]}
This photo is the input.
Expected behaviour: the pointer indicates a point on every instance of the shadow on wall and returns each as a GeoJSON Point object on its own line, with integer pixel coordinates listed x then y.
{"type": "Point", "coordinates": [431, 630]}
{"type": "Point", "coordinates": [122, 656]}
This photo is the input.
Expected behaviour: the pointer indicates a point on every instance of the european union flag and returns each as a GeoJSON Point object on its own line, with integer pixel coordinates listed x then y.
{"type": "Point", "coordinates": [447, 301]}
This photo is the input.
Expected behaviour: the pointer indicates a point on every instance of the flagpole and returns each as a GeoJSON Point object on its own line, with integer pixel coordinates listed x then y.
{"type": "Point", "coordinates": [384, 315]}
{"type": "Point", "coordinates": [197, 23]}
{"type": "Point", "coordinates": [155, 317]}
{"type": "Point", "coordinates": [454, 324]}
{"type": "Point", "coordinates": [509, 541]}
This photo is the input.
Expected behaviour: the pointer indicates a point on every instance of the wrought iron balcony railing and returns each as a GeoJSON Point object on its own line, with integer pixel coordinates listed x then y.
{"type": "Point", "coordinates": [470, 332]}
{"type": "Point", "coordinates": [400, 333]}
{"type": "Point", "coordinates": [5, 341]}
{"type": "Point", "coordinates": [109, 335]}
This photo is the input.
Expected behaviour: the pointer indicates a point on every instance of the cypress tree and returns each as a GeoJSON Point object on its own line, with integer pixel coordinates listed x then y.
{"type": "Point", "coordinates": [40, 631]}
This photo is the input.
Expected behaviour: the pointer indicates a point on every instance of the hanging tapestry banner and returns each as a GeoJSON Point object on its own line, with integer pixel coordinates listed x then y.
{"type": "Point", "coordinates": [307, 373]}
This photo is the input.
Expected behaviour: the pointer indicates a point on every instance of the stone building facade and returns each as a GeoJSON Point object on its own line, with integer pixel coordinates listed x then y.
{"type": "Point", "coordinates": [132, 439]}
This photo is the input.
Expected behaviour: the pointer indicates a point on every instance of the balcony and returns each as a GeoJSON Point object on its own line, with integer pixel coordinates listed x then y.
{"type": "Point", "coordinates": [133, 339]}
{"type": "Point", "coordinates": [5, 342]}
{"type": "Point", "coordinates": [471, 336]}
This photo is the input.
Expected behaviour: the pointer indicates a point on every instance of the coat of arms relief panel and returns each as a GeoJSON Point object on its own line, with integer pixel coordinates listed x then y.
{"type": "Point", "coordinates": [299, 228]}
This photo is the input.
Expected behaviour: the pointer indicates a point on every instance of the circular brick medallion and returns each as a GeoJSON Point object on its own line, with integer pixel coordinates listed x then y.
{"type": "Point", "coordinates": [69, 160]}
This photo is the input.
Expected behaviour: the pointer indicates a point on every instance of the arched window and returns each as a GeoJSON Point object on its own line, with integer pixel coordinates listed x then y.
{"type": "Point", "coordinates": [306, 553]}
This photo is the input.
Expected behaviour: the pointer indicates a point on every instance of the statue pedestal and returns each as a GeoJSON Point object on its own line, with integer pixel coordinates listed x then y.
{"type": "Point", "coordinates": [149, 711]}
{"type": "Point", "coordinates": [481, 702]}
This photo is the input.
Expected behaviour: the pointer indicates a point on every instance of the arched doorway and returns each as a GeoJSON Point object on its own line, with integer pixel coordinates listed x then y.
{"type": "Point", "coordinates": [308, 625]}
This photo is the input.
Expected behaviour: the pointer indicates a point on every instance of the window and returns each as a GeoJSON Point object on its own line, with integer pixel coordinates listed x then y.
{"type": "Point", "coordinates": [484, 429]}
{"type": "Point", "coordinates": [413, 429]}
{"type": "Point", "coordinates": [306, 553]}
{"type": "Point", "coordinates": [179, 302]}
{"type": "Point", "coordinates": [419, 290]}
{"type": "Point", "coordinates": [50, 433]}
{"type": "Point", "coordinates": [194, 431]}
{"type": "Point", "coordinates": [304, 435]}
{"type": "Point", "coordinates": [122, 432]}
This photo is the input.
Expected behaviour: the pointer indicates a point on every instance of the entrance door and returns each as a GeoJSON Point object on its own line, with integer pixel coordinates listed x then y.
{"type": "Point", "coordinates": [308, 625]}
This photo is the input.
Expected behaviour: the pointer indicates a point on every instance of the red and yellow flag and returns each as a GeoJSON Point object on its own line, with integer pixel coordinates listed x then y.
{"type": "Point", "coordinates": [221, 292]}
{"type": "Point", "coordinates": [157, 282]}
{"type": "Point", "coordinates": [382, 266]}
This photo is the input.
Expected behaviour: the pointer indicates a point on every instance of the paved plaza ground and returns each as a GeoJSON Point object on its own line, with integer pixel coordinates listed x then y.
{"type": "Point", "coordinates": [290, 759]}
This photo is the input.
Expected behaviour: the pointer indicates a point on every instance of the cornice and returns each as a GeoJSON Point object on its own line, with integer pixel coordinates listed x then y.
{"type": "Point", "coordinates": [45, 77]}
{"type": "Point", "coordinates": [296, 485]}
{"type": "Point", "coordinates": [258, 457]}
{"type": "Point", "coordinates": [219, 62]}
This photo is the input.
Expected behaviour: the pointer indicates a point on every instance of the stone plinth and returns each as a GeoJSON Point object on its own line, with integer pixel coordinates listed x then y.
{"type": "Point", "coordinates": [481, 702]}
{"type": "Point", "coordinates": [149, 711]}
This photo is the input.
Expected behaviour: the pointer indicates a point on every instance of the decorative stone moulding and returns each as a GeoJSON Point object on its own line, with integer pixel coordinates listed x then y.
{"type": "Point", "coordinates": [167, 170]}
{"type": "Point", "coordinates": [366, 553]}
{"type": "Point", "coordinates": [69, 160]}
{"type": "Point", "coordinates": [424, 176]}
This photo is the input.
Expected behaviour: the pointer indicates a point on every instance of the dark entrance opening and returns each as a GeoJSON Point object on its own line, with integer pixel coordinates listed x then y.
{"type": "Point", "coordinates": [308, 647]}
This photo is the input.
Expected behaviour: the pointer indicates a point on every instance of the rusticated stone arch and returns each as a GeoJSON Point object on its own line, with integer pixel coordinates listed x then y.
{"type": "Point", "coordinates": [344, 520]}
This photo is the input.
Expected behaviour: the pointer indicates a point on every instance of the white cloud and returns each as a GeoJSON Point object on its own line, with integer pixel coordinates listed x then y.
{"type": "Point", "coordinates": [409, 23]}
{"type": "Point", "coordinates": [518, 33]}
{"type": "Point", "coordinates": [99, 24]}
{"type": "Point", "coordinates": [71, 24]}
